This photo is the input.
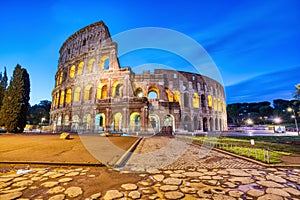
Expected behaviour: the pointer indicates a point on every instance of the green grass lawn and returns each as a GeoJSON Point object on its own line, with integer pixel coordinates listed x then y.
{"type": "Point", "coordinates": [242, 146]}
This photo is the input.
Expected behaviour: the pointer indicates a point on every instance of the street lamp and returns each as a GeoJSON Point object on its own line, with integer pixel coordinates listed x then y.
{"type": "Point", "coordinates": [277, 120]}
{"type": "Point", "coordinates": [249, 121]}
{"type": "Point", "coordinates": [295, 118]}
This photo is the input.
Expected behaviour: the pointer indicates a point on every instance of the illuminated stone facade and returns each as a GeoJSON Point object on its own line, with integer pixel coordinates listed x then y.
{"type": "Point", "coordinates": [93, 94]}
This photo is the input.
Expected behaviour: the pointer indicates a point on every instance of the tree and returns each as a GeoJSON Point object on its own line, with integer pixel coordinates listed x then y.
{"type": "Point", "coordinates": [233, 112]}
{"type": "Point", "coordinates": [297, 93]}
{"type": "Point", "coordinates": [38, 112]}
{"type": "Point", "coordinates": [16, 101]}
{"type": "Point", "coordinates": [3, 85]}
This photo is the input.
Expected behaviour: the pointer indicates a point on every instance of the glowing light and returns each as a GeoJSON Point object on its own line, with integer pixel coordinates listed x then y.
{"type": "Point", "coordinates": [277, 120]}
{"type": "Point", "coordinates": [249, 121]}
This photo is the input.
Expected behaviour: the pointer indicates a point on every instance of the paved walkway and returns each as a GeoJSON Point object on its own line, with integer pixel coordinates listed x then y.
{"type": "Point", "coordinates": [194, 175]}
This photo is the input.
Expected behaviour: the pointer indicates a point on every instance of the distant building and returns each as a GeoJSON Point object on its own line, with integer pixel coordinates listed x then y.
{"type": "Point", "coordinates": [93, 94]}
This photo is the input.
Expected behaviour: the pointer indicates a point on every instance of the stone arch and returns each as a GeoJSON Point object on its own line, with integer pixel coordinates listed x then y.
{"type": "Point", "coordinates": [205, 125]}
{"type": "Point", "coordinates": [80, 68]}
{"type": "Point", "coordinates": [62, 97]}
{"type": "Point", "coordinates": [135, 122]}
{"type": "Point", "coordinates": [170, 95]}
{"type": "Point", "coordinates": [75, 123]}
{"type": "Point", "coordinates": [117, 89]}
{"type": "Point", "coordinates": [101, 91]}
{"type": "Point", "coordinates": [104, 63]}
{"type": "Point", "coordinates": [117, 122]}
{"type": "Point", "coordinates": [216, 124]}
{"type": "Point", "coordinates": [211, 124]}
{"type": "Point", "coordinates": [72, 71]}
{"type": "Point", "coordinates": [100, 121]}
{"type": "Point", "coordinates": [153, 92]}
{"type": "Point", "coordinates": [209, 101]}
{"type": "Point", "coordinates": [69, 95]}
{"type": "Point", "coordinates": [203, 101]}
{"type": "Point", "coordinates": [139, 92]}
{"type": "Point", "coordinates": [155, 122]}
{"type": "Point", "coordinates": [61, 77]}
{"type": "Point", "coordinates": [59, 122]}
{"type": "Point", "coordinates": [187, 124]}
{"type": "Point", "coordinates": [91, 64]}
{"type": "Point", "coordinates": [66, 122]}
{"type": "Point", "coordinates": [87, 122]}
{"type": "Point", "coordinates": [186, 97]}
{"type": "Point", "coordinates": [177, 96]}
{"type": "Point", "coordinates": [77, 94]}
{"type": "Point", "coordinates": [195, 100]}
{"type": "Point", "coordinates": [169, 122]}
{"type": "Point", "coordinates": [88, 90]}
{"type": "Point", "coordinates": [196, 123]}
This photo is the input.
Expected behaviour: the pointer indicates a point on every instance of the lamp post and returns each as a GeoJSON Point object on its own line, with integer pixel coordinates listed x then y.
{"type": "Point", "coordinates": [295, 118]}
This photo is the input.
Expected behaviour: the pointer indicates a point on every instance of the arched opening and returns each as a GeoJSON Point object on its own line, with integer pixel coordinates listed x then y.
{"type": "Point", "coordinates": [203, 101]}
{"type": "Point", "coordinates": [69, 96]}
{"type": "Point", "coordinates": [153, 92]}
{"type": "Point", "coordinates": [205, 127]}
{"type": "Point", "coordinates": [155, 123]}
{"type": "Point", "coordinates": [104, 63]}
{"type": "Point", "coordinates": [211, 124]}
{"type": "Point", "coordinates": [57, 99]}
{"type": "Point", "coordinates": [117, 122]}
{"type": "Point", "coordinates": [80, 67]}
{"type": "Point", "coordinates": [59, 120]}
{"type": "Point", "coordinates": [221, 125]}
{"type": "Point", "coordinates": [216, 124]}
{"type": "Point", "coordinates": [66, 123]}
{"type": "Point", "coordinates": [209, 101]}
{"type": "Point", "coordinates": [61, 76]}
{"type": "Point", "coordinates": [220, 105]}
{"type": "Point", "coordinates": [75, 122]}
{"type": "Point", "coordinates": [196, 123]}
{"type": "Point", "coordinates": [87, 122]}
{"type": "Point", "coordinates": [100, 122]}
{"type": "Point", "coordinates": [104, 92]}
{"type": "Point", "coordinates": [195, 100]}
{"type": "Point", "coordinates": [177, 96]}
{"type": "Point", "coordinates": [187, 124]}
{"type": "Point", "coordinates": [88, 93]}
{"type": "Point", "coordinates": [62, 97]}
{"type": "Point", "coordinates": [170, 95]}
{"type": "Point", "coordinates": [135, 122]}
{"type": "Point", "coordinates": [139, 92]}
{"type": "Point", "coordinates": [77, 94]}
{"type": "Point", "coordinates": [72, 71]}
{"type": "Point", "coordinates": [117, 90]}
{"type": "Point", "coordinates": [186, 100]}
{"type": "Point", "coordinates": [91, 64]}
{"type": "Point", "coordinates": [169, 123]}
{"type": "Point", "coordinates": [215, 105]}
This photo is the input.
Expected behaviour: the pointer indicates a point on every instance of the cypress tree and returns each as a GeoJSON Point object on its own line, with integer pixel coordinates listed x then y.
{"type": "Point", "coordinates": [3, 85]}
{"type": "Point", "coordinates": [16, 101]}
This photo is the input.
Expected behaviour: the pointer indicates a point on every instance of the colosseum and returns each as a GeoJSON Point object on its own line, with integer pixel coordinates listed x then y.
{"type": "Point", "coordinates": [94, 94]}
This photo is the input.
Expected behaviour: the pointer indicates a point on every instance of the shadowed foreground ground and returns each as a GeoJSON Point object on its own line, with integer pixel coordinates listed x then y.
{"type": "Point", "coordinates": [49, 148]}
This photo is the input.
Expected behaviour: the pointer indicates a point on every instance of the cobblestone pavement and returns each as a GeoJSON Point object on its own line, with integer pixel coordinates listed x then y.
{"type": "Point", "coordinates": [209, 176]}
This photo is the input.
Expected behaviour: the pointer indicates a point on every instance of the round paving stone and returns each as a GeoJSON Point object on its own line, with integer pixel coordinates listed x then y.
{"type": "Point", "coordinates": [57, 197]}
{"type": "Point", "coordinates": [278, 192]}
{"type": "Point", "coordinates": [192, 174]}
{"type": "Point", "coordinates": [12, 195]}
{"type": "Point", "coordinates": [188, 190]}
{"type": "Point", "coordinates": [129, 186]}
{"type": "Point", "coordinates": [72, 174]}
{"type": "Point", "coordinates": [235, 193]}
{"type": "Point", "coordinates": [113, 194]}
{"type": "Point", "coordinates": [172, 181]}
{"type": "Point", "coordinates": [177, 176]}
{"type": "Point", "coordinates": [222, 197]}
{"type": "Point", "coordinates": [50, 184]}
{"type": "Point", "coordinates": [174, 195]}
{"type": "Point", "coordinates": [238, 172]}
{"type": "Point", "coordinates": [275, 178]}
{"type": "Point", "coordinates": [255, 193]}
{"type": "Point", "coordinates": [134, 194]}
{"type": "Point", "coordinates": [269, 184]}
{"type": "Point", "coordinates": [166, 188]}
{"type": "Point", "coordinates": [159, 177]}
{"type": "Point", "coordinates": [73, 191]}
{"type": "Point", "coordinates": [22, 183]}
{"type": "Point", "coordinates": [95, 196]}
{"type": "Point", "coordinates": [270, 197]}
{"type": "Point", "coordinates": [292, 191]}
{"type": "Point", "coordinates": [64, 180]}
{"type": "Point", "coordinates": [56, 190]}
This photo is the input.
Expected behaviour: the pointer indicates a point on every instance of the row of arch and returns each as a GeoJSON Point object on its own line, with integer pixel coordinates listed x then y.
{"type": "Point", "coordinates": [83, 68]}
{"type": "Point", "coordinates": [134, 123]}
{"type": "Point", "coordinates": [65, 96]}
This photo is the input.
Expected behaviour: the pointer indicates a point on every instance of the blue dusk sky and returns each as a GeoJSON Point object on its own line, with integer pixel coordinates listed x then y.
{"type": "Point", "coordinates": [254, 44]}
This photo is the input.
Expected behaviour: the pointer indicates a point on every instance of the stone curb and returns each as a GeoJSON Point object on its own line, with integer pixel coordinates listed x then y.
{"type": "Point", "coordinates": [124, 158]}
{"type": "Point", "coordinates": [255, 161]}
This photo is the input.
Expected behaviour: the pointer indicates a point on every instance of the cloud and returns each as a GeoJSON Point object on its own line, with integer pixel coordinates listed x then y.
{"type": "Point", "coordinates": [275, 85]}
